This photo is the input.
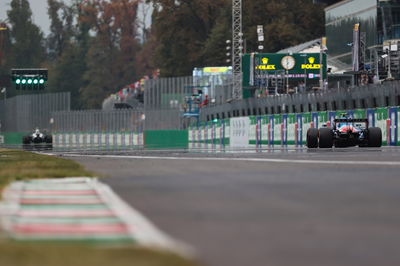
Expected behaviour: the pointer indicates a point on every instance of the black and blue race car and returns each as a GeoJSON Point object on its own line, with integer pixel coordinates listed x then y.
{"type": "Point", "coordinates": [345, 132]}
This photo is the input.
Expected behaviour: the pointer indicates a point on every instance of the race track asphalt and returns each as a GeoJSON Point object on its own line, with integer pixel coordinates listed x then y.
{"type": "Point", "coordinates": [278, 207]}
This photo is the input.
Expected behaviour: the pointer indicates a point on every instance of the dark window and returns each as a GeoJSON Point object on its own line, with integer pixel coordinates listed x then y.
{"type": "Point", "coordinates": [301, 108]}
{"type": "Point", "coordinates": [259, 111]}
{"type": "Point", "coordinates": [344, 105]}
{"type": "Point", "coordinates": [279, 109]}
{"type": "Point", "coordinates": [374, 102]}
{"type": "Point", "coordinates": [266, 108]}
{"type": "Point", "coordinates": [208, 118]}
{"type": "Point", "coordinates": [229, 114]}
{"type": "Point", "coordinates": [363, 105]}
{"type": "Point", "coordinates": [387, 102]}
{"type": "Point", "coordinates": [318, 107]}
{"type": "Point", "coordinates": [243, 112]}
{"type": "Point", "coordinates": [309, 107]}
{"type": "Point", "coordinates": [325, 106]}
{"type": "Point", "coordinates": [354, 104]}
{"type": "Point", "coordinates": [272, 110]}
{"type": "Point", "coordinates": [334, 105]}
{"type": "Point", "coordinates": [294, 108]}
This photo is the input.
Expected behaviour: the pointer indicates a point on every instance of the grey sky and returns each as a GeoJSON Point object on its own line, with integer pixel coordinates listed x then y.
{"type": "Point", "coordinates": [39, 10]}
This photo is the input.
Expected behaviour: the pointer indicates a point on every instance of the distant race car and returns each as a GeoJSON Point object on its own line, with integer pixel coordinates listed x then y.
{"type": "Point", "coordinates": [346, 132]}
{"type": "Point", "coordinates": [38, 139]}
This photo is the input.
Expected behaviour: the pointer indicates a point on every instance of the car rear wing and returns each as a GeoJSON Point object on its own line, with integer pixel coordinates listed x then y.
{"type": "Point", "coordinates": [351, 120]}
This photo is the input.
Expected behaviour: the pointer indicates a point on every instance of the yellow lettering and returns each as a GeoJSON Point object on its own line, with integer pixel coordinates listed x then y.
{"type": "Point", "coordinates": [266, 67]}
{"type": "Point", "coordinates": [310, 66]}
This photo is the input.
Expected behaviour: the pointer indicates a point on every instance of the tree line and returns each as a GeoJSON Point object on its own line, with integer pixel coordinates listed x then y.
{"type": "Point", "coordinates": [96, 47]}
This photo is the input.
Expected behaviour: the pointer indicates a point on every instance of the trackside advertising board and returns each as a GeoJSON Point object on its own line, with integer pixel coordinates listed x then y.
{"type": "Point", "coordinates": [239, 132]}
{"type": "Point", "coordinates": [291, 129]}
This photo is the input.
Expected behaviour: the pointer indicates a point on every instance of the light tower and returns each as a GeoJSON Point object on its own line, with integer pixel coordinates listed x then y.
{"type": "Point", "coordinates": [237, 48]}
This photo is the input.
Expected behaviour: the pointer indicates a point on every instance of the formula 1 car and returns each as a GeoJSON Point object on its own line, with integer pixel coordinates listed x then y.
{"type": "Point", "coordinates": [346, 132]}
{"type": "Point", "coordinates": [37, 139]}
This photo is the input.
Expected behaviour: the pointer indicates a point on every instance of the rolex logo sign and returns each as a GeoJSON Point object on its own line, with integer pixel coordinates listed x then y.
{"type": "Point", "coordinates": [311, 64]}
{"type": "Point", "coordinates": [264, 65]}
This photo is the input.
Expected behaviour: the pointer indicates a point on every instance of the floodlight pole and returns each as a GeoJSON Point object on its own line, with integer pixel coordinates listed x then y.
{"type": "Point", "coordinates": [237, 49]}
{"type": "Point", "coordinates": [322, 50]}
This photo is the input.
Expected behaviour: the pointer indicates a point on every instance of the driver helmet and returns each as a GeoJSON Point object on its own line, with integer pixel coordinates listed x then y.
{"type": "Point", "coordinates": [342, 116]}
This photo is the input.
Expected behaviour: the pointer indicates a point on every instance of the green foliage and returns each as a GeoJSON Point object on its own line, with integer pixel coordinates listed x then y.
{"type": "Point", "coordinates": [61, 28]}
{"type": "Point", "coordinates": [21, 44]}
{"type": "Point", "coordinates": [214, 50]}
{"type": "Point", "coordinates": [111, 56]}
{"type": "Point", "coordinates": [181, 30]}
{"type": "Point", "coordinates": [286, 23]}
{"type": "Point", "coordinates": [66, 75]}
{"type": "Point", "coordinates": [93, 48]}
{"type": "Point", "coordinates": [27, 40]}
{"type": "Point", "coordinates": [199, 29]}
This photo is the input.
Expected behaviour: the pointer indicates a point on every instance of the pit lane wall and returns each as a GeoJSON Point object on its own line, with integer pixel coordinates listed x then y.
{"type": "Point", "coordinates": [285, 129]}
{"type": "Point", "coordinates": [98, 140]}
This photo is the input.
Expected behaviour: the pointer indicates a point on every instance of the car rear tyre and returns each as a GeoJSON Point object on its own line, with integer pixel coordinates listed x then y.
{"type": "Point", "coordinates": [48, 139]}
{"type": "Point", "coordinates": [325, 138]}
{"type": "Point", "coordinates": [374, 137]}
{"type": "Point", "coordinates": [312, 138]}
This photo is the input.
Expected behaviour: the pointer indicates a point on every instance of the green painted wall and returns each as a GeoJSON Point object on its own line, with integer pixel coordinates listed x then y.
{"type": "Point", "coordinates": [166, 139]}
{"type": "Point", "coordinates": [13, 138]}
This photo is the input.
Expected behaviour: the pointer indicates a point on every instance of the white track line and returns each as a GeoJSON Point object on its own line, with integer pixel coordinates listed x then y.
{"type": "Point", "coordinates": [333, 162]}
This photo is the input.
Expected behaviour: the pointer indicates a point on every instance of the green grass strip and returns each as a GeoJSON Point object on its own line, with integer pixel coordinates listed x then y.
{"type": "Point", "coordinates": [22, 165]}
{"type": "Point", "coordinates": [80, 254]}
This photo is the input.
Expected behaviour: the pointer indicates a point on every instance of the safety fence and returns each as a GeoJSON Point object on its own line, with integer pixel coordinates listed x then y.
{"type": "Point", "coordinates": [165, 99]}
{"type": "Point", "coordinates": [25, 112]}
{"type": "Point", "coordinates": [102, 140]}
{"type": "Point", "coordinates": [98, 121]}
{"type": "Point", "coordinates": [285, 129]}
